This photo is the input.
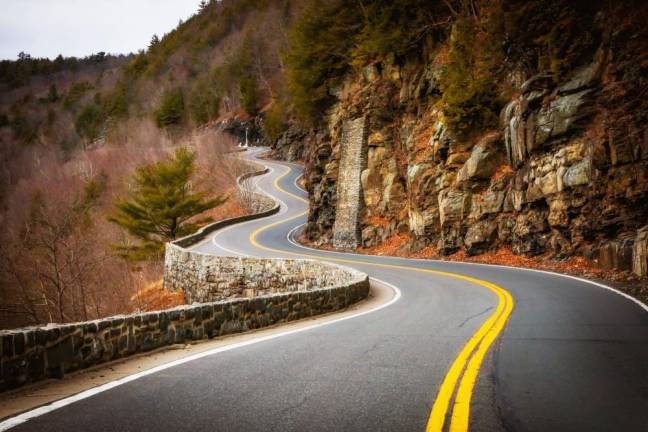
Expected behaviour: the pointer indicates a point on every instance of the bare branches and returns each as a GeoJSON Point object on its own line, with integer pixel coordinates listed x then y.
{"type": "Point", "coordinates": [56, 259]}
{"type": "Point", "coordinates": [450, 7]}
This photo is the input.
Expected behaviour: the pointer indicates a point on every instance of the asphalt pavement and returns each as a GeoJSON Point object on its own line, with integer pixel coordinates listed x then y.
{"type": "Point", "coordinates": [572, 356]}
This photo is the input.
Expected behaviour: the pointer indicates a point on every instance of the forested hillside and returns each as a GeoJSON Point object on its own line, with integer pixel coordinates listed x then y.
{"type": "Point", "coordinates": [75, 132]}
{"type": "Point", "coordinates": [505, 128]}
{"type": "Point", "coordinates": [515, 127]}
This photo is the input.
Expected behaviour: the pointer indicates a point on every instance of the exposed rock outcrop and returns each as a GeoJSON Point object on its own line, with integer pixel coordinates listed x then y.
{"type": "Point", "coordinates": [561, 175]}
{"type": "Point", "coordinates": [640, 253]}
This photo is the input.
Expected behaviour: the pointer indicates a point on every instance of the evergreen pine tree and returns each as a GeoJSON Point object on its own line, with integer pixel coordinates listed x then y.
{"type": "Point", "coordinates": [155, 40]}
{"type": "Point", "coordinates": [249, 93]}
{"type": "Point", "coordinates": [53, 95]}
{"type": "Point", "coordinates": [116, 104]}
{"type": "Point", "coordinates": [89, 121]}
{"type": "Point", "coordinates": [470, 101]}
{"type": "Point", "coordinates": [161, 205]}
{"type": "Point", "coordinates": [204, 100]}
{"type": "Point", "coordinates": [171, 110]}
{"type": "Point", "coordinates": [318, 53]}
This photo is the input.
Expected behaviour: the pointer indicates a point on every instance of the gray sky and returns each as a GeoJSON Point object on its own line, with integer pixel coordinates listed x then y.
{"type": "Point", "coordinates": [46, 28]}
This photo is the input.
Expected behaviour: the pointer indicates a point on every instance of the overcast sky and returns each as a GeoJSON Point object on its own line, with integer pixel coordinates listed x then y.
{"type": "Point", "coordinates": [47, 28]}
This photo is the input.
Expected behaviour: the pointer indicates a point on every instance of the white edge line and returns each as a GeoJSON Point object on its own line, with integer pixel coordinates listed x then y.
{"type": "Point", "coordinates": [233, 252]}
{"type": "Point", "coordinates": [521, 269]}
{"type": "Point", "coordinates": [284, 209]}
{"type": "Point", "coordinates": [37, 412]}
{"type": "Point", "coordinates": [212, 237]}
{"type": "Point", "coordinates": [299, 187]}
{"type": "Point", "coordinates": [642, 305]}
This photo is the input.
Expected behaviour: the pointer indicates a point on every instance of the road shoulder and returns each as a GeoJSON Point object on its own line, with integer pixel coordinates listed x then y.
{"type": "Point", "coordinates": [26, 398]}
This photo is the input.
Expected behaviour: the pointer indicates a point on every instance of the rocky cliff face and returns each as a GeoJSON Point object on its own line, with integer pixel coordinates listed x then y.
{"type": "Point", "coordinates": [565, 173]}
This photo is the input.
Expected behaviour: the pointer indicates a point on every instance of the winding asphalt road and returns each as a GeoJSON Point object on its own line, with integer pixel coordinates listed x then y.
{"type": "Point", "coordinates": [548, 352]}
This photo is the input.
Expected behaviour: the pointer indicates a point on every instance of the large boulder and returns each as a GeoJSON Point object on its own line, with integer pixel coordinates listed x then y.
{"type": "Point", "coordinates": [488, 202]}
{"type": "Point", "coordinates": [640, 253]}
{"type": "Point", "coordinates": [560, 115]}
{"type": "Point", "coordinates": [454, 205]}
{"type": "Point", "coordinates": [558, 211]}
{"type": "Point", "coordinates": [480, 236]}
{"type": "Point", "coordinates": [542, 186]}
{"type": "Point", "coordinates": [424, 222]}
{"type": "Point", "coordinates": [530, 233]}
{"type": "Point", "coordinates": [440, 142]}
{"type": "Point", "coordinates": [577, 174]}
{"type": "Point", "coordinates": [585, 76]}
{"type": "Point", "coordinates": [451, 238]}
{"type": "Point", "coordinates": [529, 121]}
{"type": "Point", "coordinates": [482, 164]}
{"type": "Point", "coordinates": [616, 254]}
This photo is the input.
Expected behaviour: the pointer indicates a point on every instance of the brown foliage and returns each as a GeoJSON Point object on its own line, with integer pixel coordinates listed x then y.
{"type": "Point", "coordinates": [56, 259]}
{"type": "Point", "coordinates": [391, 246]}
{"type": "Point", "coordinates": [154, 297]}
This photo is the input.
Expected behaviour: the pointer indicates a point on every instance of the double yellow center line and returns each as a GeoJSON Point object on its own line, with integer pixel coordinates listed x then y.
{"type": "Point", "coordinates": [462, 376]}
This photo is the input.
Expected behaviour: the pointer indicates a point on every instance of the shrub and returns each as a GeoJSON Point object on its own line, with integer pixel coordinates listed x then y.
{"type": "Point", "coordinates": [318, 54]}
{"type": "Point", "coordinates": [274, 122]}
{"type": "Point", "coordinates": [551, 36]}
{"type": "Point", "coordinates": [331, 36]}
{"type": "Point", "coordinates": [116, 103]}
{"type": "Point", "coordinates": [136, 67]}
{"type": "Point", "coordinates": [52, 94]}
{"type": "Point", "coordinates": [50, 118]}
{"type": "Point", "coordinates": [394, 27]}
{"type": "Point", "coordinates": [25, 125]}
{"type": "Point", "coordinates": [249, 93]}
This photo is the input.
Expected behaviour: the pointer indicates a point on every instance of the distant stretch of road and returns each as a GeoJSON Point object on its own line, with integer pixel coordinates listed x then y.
{"type": "Point", "coordinates": [460, 346]}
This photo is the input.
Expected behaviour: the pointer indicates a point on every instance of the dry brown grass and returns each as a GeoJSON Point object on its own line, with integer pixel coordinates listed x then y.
{"type": "Point", "coordinates": [154, 297]}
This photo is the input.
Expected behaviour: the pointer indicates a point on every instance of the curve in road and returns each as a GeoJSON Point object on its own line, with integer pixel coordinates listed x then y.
{"type": "Point", "coordinates": [572, 356]}
{"type": "Point", "coordinates": [471, 356]}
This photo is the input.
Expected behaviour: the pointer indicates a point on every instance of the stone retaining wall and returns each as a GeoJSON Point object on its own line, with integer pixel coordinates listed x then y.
{"type": "Point", "coordinates": [273, 290]}
{"type": "Point", "coordinates": [205, 278]}
{"type": "Point", "coordinates": [36, 353]}
{"type": "Point", "coordinates": [268, 208]}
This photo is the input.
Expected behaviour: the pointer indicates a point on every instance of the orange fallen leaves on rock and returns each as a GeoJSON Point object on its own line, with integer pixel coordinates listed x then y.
{"type": "Point", "coordinates": [428, 252]}
{"type": "Point", "coordinates": [502, 171]}
{"type": "Point", "coordinates": [391, 246]}
{"type": "Point", "coordinates": [377, 221]}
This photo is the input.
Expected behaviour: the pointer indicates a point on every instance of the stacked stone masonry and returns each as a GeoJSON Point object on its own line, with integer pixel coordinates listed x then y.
{"type": "Point", "coordinates": [346, 229]}
{"type": "Point", "coordinates": [237, 295]}
{"type": "Point", "coordinates": [206, 278]}
{"type": "Point", "coordinates": [36, 353]}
